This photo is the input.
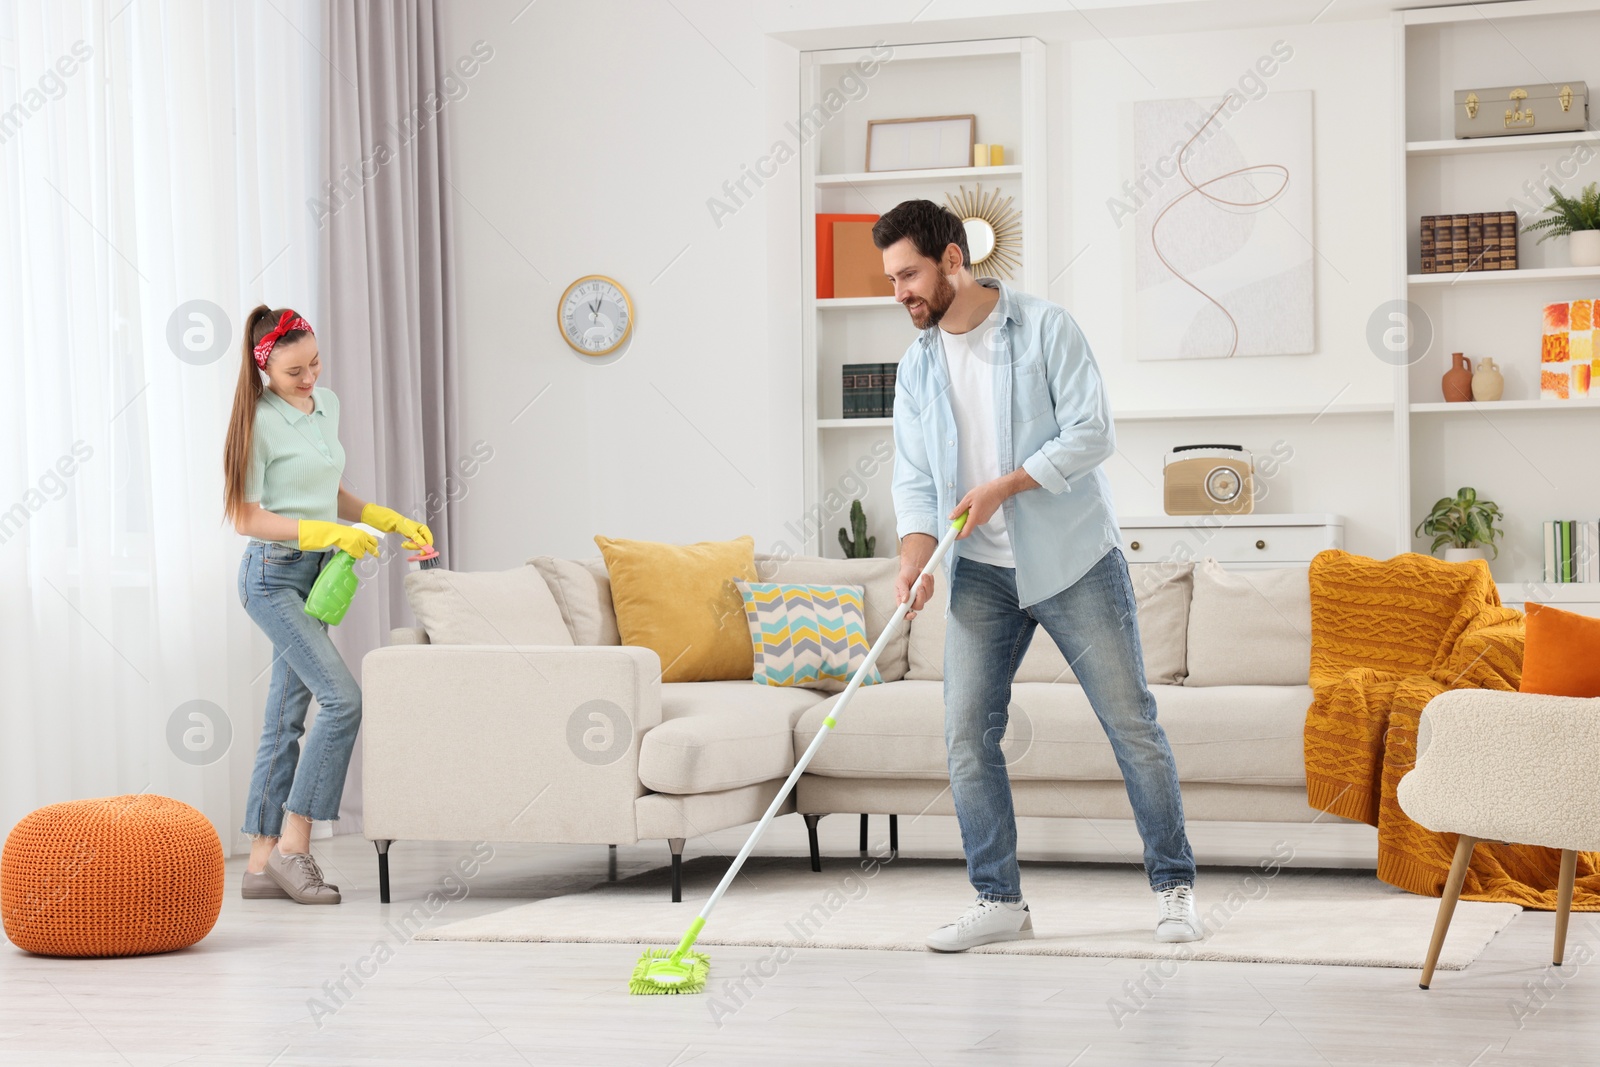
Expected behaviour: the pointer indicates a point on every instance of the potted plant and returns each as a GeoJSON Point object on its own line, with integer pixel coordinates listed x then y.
{"type": "Point", "coordinates": [861, 546]}
{"type": "Point", "coordinates": [1465, 524]}
{"type": "Point", "coordinates": [1577, 219]}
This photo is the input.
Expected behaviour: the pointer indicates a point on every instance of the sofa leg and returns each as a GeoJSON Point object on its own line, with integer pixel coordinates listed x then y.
{"type": "Point", "coordinates": [383, 869]}
{"type": "Point", "coordinates": [811, 832]}
{"type": "Point", "coordinates": [863, 833]}
{"type": "Point", "coordinates": [611, 863]}
{"type": "Point", "coordinates": [894, 837]}
{"type": "Point", "coordinates": [676, 844]}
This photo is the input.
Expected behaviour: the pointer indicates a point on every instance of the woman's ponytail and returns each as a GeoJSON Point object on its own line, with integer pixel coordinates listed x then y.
{"type": "Point", "coordinates": [242, 423]}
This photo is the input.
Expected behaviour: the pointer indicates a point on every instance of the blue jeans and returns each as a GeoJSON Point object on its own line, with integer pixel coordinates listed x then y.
{"type": "Point", "coordinates": [1093, 622]}
{"type": "Point", "coordinates": [273, 584]}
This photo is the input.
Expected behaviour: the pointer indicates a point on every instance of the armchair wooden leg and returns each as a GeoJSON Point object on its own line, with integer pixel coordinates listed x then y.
{"type": "Point", "coordinates": [1569, 871]}
{"type": "Point", "coordinates": [1447, 905]}
{"type": "Point", "coordinates": [863, 833]}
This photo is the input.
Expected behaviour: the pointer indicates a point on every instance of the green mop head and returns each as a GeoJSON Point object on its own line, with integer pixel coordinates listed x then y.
{"type": "Point", "coordinates": [660, 970]}
{"type": "Point", "coordinates": [676, 970]}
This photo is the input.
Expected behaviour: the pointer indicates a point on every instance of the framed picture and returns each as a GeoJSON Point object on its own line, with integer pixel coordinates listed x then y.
{"type": "Point", "coordinates": [921, 144]}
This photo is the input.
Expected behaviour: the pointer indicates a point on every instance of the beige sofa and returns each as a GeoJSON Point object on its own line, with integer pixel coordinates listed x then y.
{"type": "Point", "coordinates": [514, 714]}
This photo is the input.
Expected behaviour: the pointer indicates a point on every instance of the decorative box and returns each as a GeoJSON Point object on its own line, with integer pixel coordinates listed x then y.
{"type": "Point", "coordinates": [1559, 107]}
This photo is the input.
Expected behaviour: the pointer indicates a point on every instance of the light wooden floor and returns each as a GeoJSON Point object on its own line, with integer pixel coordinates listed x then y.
{"type": "Point", "coordinates": [244, 995]}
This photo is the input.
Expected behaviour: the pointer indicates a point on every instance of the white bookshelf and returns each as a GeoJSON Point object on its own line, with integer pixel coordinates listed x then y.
{"type": "Point", "coordinates": [1002, 82]}
{"type": "Point", "coordinates": [1529, 455]}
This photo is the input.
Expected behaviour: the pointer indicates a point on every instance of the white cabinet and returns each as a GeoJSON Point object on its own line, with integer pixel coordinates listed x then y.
{"type": "Point", "coordinates": [1236, 541]}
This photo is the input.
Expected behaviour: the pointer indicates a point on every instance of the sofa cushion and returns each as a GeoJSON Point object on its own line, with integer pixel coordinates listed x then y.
{"type": "Point", "coordinates": [1161, 593]}
{"type": "Point", "coordinates": [876, 578]}
{"type": "Point", "coordinates": [680, 602]}
{"type": "Point", "coordinates": [1249, 627]}
{"type": "Point", "coordinates": [1243, 735]}
{"type": "Point", "coordinates": [808, 635]}
{"type": "Point", "coordinates": [582, 590]}
{"type": "Point", "coordinates": [722, 735]}
{"type": "Point", "coordinates": [512, 607]}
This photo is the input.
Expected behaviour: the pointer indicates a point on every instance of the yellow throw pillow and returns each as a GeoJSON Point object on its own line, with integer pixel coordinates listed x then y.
{"type": "Point", "coordinates": [680, 601]}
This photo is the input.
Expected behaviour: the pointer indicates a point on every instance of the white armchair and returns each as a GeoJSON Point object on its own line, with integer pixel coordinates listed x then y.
{"type": "Point", "coordinates": [1498, 766]}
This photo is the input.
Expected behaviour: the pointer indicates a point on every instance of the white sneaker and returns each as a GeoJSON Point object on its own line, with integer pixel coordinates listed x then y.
{"type": "Point", "coordinates": [1177, 920]}
{"type": "Point", "coordinates": [983, 922]}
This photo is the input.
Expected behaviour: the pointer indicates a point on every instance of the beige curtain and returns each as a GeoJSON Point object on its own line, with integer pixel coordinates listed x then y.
{"type": "Point", "coordinates": [387, 298]}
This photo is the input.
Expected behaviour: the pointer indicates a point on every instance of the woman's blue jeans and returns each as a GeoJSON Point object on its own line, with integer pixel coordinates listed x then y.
{"type": "Point", "coordinates": [1094, 624]}
{"type": "Point", "coordinates": [273, 584]}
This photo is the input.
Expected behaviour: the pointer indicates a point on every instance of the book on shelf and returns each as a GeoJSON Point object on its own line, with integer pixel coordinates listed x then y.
{"type": "Point", "coordinates": [857, 383]}
{"type": "Point", "coordinates": [877, 389]}
{"type": "Point", "coordinates": [868, 390]}
{"type": "Point", "coordinates": [1571, 551]}
{"type": "Point", "coordinates": [1478, 240]}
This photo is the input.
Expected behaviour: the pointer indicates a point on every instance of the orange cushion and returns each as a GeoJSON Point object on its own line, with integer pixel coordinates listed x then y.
{"type": "Point", "coordinates": [1562, 654]}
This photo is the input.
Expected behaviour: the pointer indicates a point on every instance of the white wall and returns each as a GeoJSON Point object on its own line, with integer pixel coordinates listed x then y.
{"type": "Point", "coordinates": [591, 142]}
{"type": "Point", "coordinates": [1341, 463]}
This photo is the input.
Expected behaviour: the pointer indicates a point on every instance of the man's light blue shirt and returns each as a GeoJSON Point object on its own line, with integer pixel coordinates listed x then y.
{"type": "Point", "coordinates": [1052, 418]}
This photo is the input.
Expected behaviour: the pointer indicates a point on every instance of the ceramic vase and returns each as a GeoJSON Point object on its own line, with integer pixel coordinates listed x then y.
{"type": "Point", "coordinates": [1488, 383]}
{"type": "Point", "coordinates": [1583, 246]}
{"type": "Point", "coordinates": [1457, 381]}
{"type": "Point", "coordinates": [1458, 555]}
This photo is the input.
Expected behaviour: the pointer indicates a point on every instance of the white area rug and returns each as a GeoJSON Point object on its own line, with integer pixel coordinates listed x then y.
{"type": "Point", "coordinates": [1344, 918]}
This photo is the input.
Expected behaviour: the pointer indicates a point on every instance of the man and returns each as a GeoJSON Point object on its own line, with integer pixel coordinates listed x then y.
{"type": "Point", "coordinates": [1000, 412]}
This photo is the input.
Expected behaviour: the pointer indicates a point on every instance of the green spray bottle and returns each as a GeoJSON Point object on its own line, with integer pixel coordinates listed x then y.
{"type": "Point", "coordinates": [335, 587]}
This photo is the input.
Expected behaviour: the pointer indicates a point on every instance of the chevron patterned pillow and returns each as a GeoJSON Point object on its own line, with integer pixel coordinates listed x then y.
{"type": "Point", "coordinates": [810, 635]}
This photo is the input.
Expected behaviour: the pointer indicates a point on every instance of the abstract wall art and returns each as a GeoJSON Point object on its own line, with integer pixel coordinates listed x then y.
{"type": "Point", "coordinates": [1220, 217]}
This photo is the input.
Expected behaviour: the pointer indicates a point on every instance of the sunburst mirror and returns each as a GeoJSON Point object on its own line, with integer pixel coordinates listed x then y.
{"type": "Point", "coordinates": [994, 230]}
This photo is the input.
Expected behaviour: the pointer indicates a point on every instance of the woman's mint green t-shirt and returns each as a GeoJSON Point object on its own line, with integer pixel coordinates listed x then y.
{"type": "Point", "coordinates": [296, 460]}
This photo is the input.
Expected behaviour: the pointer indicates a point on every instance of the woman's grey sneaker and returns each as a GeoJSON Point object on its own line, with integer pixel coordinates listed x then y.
{"type": "Point", "coordinates": [983, 922]}
{"type": "Point", "coordinates": [1176, 920]}
{"type": "Point", "coordinates": [298, 875]}
{"type": "Point", "coordinates": [261, 887]}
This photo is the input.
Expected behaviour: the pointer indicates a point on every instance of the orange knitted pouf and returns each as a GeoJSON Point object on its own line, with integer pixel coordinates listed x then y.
{"type": "Point", "coordinates": [115, 876]}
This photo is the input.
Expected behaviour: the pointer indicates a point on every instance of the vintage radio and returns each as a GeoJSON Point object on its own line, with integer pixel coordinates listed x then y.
{"type": "Point", "coordinates": [1559, 107]}
{"type": "Point", "coordinates": [1208, 480]}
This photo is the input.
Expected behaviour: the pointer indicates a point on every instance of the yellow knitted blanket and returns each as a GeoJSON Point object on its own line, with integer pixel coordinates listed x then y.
{"type": "Point", "coordinates": [1387, 636]}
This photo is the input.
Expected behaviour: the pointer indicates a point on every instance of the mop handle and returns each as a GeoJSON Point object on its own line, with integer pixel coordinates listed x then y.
{"type": "Point", "coordinates": [827, 724]}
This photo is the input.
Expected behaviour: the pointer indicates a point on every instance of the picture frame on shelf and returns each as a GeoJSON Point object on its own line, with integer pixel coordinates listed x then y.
{"type": "Point", "coordinates": [927, 143]}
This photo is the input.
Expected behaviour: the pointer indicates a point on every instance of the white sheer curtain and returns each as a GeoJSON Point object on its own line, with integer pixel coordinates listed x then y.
{"type": "Point", "coordinates": [153, 156]}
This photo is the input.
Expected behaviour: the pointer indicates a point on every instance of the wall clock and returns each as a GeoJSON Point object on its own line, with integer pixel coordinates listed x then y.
{"type": "Point", "coordinates": [595, 315]}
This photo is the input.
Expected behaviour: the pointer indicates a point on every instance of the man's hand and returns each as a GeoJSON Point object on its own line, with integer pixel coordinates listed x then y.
{"type": "Point", "coordinates": [915, 551]}
{"type": "Point", "coordinates": [982, 502]}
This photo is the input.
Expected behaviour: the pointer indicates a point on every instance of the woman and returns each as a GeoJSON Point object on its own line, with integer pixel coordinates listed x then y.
{"type": "Point", "coordinates": [282, 465]}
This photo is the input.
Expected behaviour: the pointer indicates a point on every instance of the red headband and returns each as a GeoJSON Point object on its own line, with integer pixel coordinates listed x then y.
{"type": "Point", "coordinates": [287, 323]}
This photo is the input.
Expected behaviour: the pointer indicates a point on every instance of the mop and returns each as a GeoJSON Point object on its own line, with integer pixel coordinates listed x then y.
{"type": "Point", "coordinates": [680, 970]}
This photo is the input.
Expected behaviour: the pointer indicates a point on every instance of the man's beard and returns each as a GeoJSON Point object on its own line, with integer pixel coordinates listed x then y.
{"type": "Point", "coordinates": [934, 307]}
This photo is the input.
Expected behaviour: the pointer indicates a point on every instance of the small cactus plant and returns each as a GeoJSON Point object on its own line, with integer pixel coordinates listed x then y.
{"type": "Point", "coordinates": [863, 546]}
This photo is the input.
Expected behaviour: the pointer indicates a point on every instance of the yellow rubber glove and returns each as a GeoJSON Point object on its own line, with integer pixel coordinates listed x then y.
{"type": "Point", "coordinates": [416, 534]}
{"type": "Point", "coordinates": [316, 535]}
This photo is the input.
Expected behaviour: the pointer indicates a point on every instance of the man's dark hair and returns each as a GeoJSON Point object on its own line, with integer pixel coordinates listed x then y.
{"type": "Point", "coordinates": [932, 229]}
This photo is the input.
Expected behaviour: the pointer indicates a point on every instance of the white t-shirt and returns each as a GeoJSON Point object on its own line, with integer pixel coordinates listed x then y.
{"type": "Point", "coordinates": [972, 374]}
